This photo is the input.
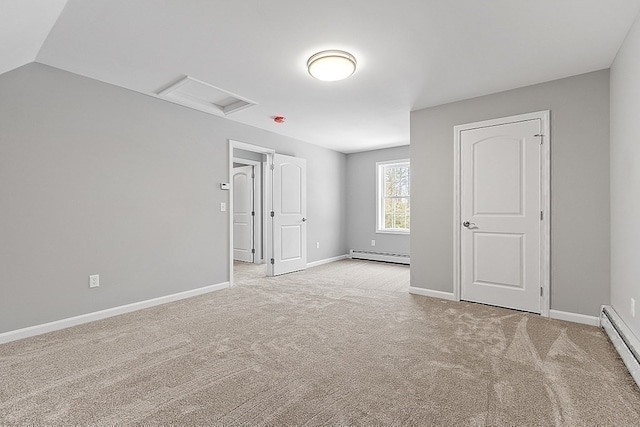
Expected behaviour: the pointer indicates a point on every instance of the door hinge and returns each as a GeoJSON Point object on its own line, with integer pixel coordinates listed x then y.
{"type": "Point", "coordinates": [273, 214]}
{"type": "Point", "coordinates": [541, 216]}
{"type": "Point", "coordinates": [541, 290]}
{"type": "Point", "coordinates": [253, 175]}
{"type": "Point", "coordinates": [541, 137]}
{"type": "Point", "coordinates": [253, 213]}
{"type": "Point", "coordinates": [272, 166]}
{"type": "Point", "coordinates": [253, 251]}
{"type": "Point", "coordinates": [273, 261]}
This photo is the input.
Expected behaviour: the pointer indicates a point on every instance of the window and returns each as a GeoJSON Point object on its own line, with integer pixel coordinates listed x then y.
{"type": "Point", "coordinates": [394, 213]}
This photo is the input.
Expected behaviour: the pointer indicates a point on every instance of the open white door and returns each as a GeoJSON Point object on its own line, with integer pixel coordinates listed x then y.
{"type": "Point", "coordinates": [289, 214]}
{"type": "Point", "coordinates": [243, 213]}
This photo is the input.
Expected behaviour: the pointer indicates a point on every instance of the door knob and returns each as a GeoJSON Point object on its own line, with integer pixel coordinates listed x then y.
{"type": "Point", "coordinates": [304, 219]}
{"type": "Point", "coordinates": [468, 224]}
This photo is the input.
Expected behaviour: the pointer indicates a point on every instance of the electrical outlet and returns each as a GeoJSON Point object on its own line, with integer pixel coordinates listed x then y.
{"type": "Point", "coordinates": [317, 245]}
{"type": "Point", "coordinates": [633, 307]}
{"type": "Point", "coordinates": [94, 280]}
{"type": "Point", "coordinates": [373, 243]}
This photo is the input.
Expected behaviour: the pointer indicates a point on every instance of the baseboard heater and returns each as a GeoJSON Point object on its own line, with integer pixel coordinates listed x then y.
{"type": "Point", "coordinates": [625, 343]}
{"type": "Point", "coordinates": [380, 256]}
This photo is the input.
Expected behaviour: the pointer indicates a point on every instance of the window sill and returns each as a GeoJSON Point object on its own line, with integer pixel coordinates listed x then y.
{"type": "Point", "coordinates": [400, 232]}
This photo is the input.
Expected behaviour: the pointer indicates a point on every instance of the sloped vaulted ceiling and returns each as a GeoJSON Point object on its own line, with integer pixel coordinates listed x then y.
{"type": "Point", "coordinates": [24, 26]}
{"type": "Point", "coordinates": [411, 54]}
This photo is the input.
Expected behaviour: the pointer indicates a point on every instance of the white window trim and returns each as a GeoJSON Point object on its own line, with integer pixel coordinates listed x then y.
{"type": "Point", "coordinates": [379, 204]}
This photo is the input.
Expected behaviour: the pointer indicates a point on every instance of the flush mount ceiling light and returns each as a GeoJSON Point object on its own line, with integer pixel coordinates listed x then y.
{"type": "Point", "coordinates": [331, 65]}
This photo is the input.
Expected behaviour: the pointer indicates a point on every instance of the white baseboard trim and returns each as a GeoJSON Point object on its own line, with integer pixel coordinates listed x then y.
{"type": "Point", "coordinates": [326, 261]}
{"type": "Point", "coordinates": [431, 293]}
{"type": "Point", "coordinates": [623, 339]}
{"type": "Point", "coordinates": [574, 317]}
{"type": "Point", "coordinates": [31, 331]}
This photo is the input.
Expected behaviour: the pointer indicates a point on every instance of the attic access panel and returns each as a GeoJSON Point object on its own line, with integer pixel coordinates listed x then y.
{"type": "Point", "coordinates": [205, 97]}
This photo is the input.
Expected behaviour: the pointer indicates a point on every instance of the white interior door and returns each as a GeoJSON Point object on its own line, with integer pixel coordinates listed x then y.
{"type": "Point", "coordinates": [501, 215]}
{"type": "Point", "coordinates": [243, 213]}
{"type": "Point", "coordinates": [289, 214]}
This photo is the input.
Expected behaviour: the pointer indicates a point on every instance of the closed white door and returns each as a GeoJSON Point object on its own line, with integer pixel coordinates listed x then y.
{"type": "Point", "coordinates": [243, 212]}
{"type": "Point", "coordinates": [289, 214]}
{"type": "Point", "coordinates": [501, 215]}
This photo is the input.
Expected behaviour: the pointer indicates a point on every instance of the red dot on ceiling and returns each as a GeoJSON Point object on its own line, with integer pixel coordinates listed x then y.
{"type": "Point", "coordinates": [279, 119]}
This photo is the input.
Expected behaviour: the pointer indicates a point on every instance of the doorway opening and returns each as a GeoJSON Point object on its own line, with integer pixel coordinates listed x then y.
{"type": "Point", "coordinates": [250, 202]}
{"type": "Point", "coordinates": [282, 229]}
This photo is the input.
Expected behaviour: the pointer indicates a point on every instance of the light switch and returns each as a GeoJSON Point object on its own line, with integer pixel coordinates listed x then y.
{"type": "Point", "coordinates": [223, 207]}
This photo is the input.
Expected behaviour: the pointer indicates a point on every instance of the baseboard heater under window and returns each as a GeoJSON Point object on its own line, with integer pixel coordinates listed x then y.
{"type": "Point", "coordinates": [625, 343]}
{"type": "Point", "coordinates": [380, 256]}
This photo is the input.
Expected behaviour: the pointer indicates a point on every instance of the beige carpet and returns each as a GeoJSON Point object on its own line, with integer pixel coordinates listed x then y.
{"type": "Point", "coordinates": [316, 349]}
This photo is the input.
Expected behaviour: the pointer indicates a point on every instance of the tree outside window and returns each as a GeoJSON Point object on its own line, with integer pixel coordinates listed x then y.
{"type": "Point", "coordinates": [394, 200]}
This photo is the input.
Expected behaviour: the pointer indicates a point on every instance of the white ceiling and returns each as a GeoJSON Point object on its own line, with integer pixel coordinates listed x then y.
{"type": "Point", "coordinates": [411, 53]}
{"type": "Point", "coordinates": [24, 26]}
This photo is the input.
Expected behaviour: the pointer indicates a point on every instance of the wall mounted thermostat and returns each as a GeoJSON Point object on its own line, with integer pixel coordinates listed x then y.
{"type": "Point", "coordinates": [225, 186]}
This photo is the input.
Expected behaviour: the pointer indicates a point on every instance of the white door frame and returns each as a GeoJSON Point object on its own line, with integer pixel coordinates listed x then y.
{"type": "Point", "coordinates": [268, 201]}
{"type": "Point", "coordinates": [545, 201]}
{"type": "Point", "coordinates": [258, 226]}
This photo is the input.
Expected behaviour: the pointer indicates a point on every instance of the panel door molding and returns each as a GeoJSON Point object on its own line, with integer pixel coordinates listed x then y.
{"type": "Point", "coordinates": [501, 212]}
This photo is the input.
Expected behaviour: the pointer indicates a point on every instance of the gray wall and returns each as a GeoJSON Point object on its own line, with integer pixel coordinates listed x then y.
{"type": "Point", "coordinates": [96, 179]}
{"type": "Point", "coordinates": [361, 202]}
{"type": "Point", "coordinates": [580, 185]}
{"type": "Point", "coordinates": [625, 179]}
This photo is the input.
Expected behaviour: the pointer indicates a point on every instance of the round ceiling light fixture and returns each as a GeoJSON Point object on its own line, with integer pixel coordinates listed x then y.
{"type": "Point", "coordinates": [331, 65]}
